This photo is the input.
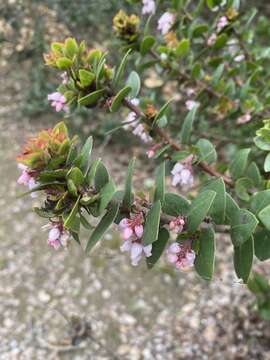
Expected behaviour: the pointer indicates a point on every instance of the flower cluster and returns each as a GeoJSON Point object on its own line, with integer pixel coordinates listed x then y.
{"type": "Point", "coordinates": [58, 236]}
{"type": "Point", "coordinates": [58, 101]}
{"type": "Point", "coordinates": [182, 173]}
{"type": "Point", "coordinates": [132, 232]}
{"type": "Point", "coordinates": [149, 7]}
{"type": "Point", "coordinates": [177, 224]}
{"type": "Point", "coordinates": [181, 255]}
{"type": "Point", "coordinates": [165, 22]}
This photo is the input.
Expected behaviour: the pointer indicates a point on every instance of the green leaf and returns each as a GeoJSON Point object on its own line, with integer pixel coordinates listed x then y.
{"type": "Point", "coordinates": [242, 186]}
{"type": "Point", "coordinates": [205, 259]}
{"type": "Point", "coordinates": [101, 176]}
{"type": "Point", "coordinates": [264, 216]}
{"type": "Point", "coordinates": [103, 226]}
{"type": "Point", "coordinates": [72, 154]}
{"type": "Point", "coordinates": [72, 189]}
{"type": "Point", "coordinates": [120, 70]}
{"type": "Point", "coordinates": [262, 244]}
{"type": "Point", "coordinates": [119, 97]}
{"type": "Point", "coordinates": [85, 155]}
{"type": "Point", "coordinates": [134, 82]}
{"type": "Point", "coordinates": [86, 77]}
{"type": "Point", "coordinates": [162, 111]}
{"type": "Point", "coordinates": [231, 207]}
{"type": "Point", "coordinates": [63, 63]}
{"type": "Point", "coordinates": [151, 228]}
{"type": "Point", "coordinates": [218, 208]}
{"type": "Point", "coordinates": [187, 126]}
{"type": "Point", "coordinates": [175, 204]}
{"type": "Point", "coordinates": [199, 29]}
{"type": "Point", "coordinates": [220, 42]}
{"type": "Point", "coordinates": [52, 175]}
{"type": "Point", "coordinates": [128, 196]}
{"type": "Point", "coordinates": [266, 165]}
{"type": "Point", "coordinates": [199, 208]}
{"type": "Point", "coordinates": [183, 48]}
{"type": "Point", "coordinates": [106, 194]}
{"type": "Point", "coordinates": [243, 259]}
{"type": "Point", "coordinates": [239, 164]}
{"type": "Point", "coordinates": [146, 44]}
{"type": "Point", "coordinates": [253, 173]}
{"type": "Point", "coordinates": [243, 225]}
{"type": "Point", "coordinates": [91, 98]}
{"type": "Point", "coordinates": [92, 172]}
{"type": "Point", "coordinates": [158, 247]}
{"type": "Point", "coordinates": [207, 151]}
{"type": "Point", "coordinates": [76, 176]}
{"type": "Point", "coordinates": [71, 220]}
{"type": "Point", "coordinates": [71, 47]}
{"type": "Point", "coordinates": [259, 201]}
{"type": "Point", "coordinates": [261, 143]}
{"type": "Point", "coordinates": [160, 183]}
{"type": "Point", "coordinates": [217, 74]}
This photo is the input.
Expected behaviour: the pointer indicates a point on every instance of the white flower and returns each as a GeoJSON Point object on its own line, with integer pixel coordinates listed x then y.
{"type": "Point", "coordinates": [163, 56]}
{"type": "Point", "coordinates": [182, 174]}
{"type": "Point", "coordinates": [190, 104]}
{"type": "Point", "coordinates": [165, 22]}
{"type": "Point", "coordinates": [244, 119]}
{"type": "Point", "coordinates": [222, 22]}
{"type": "Point", "coordinates": [211, 40]}
{"type": "Point", "coordinates": [149, 7]}
{"type": "Point", "coordinates": [239, 58]}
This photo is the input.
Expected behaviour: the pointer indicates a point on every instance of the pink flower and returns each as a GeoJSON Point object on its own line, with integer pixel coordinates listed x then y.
{"type": "Point", "coordinates": [221, 23]}
{"type": "Point", "coordinates": [27, 179]}
{"type": "Point", "coordinates": [151, 152]}
{"type": "Point", "coordinates": [58, 101]}
{"type": "Point", "coordinates": [165, 22]}
{"type": "Point", "coordinates": [132, 232]}
{"type": "Point", "coordinates": [181, 255]}
{"type": "Point", "coordinates": [58, 236]}
{"type": "Point", "coordinates": [244, 119]}
{"type": "Point", "coordinates": [190, 104]}
{"type": "Point", "coordinates": [141, 133]}
{"type": "Point", "coordinates": [132, 227]}
{"type": "Point", "coordinates": [149, 7]}
{"type": "Point", "coordinates": [25, 176]}
{"type": "Point", "coordinates": [177, 224]}
{"type": "Point", "coordinates": [182, 173]}
{"type": "Point", "coordinates": [136, 249]}
{"type": "Point", "coordinates": [212, 40]}
{"type": "Point", "coordinates": [64, 77]}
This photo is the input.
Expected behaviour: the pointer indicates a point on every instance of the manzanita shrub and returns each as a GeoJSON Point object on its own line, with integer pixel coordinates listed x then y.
{"type": "Point", "coordinates": [212, 136]}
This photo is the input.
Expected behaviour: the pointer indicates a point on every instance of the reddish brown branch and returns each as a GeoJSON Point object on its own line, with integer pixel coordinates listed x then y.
{"type": "Point", "coordinates": [176, 146]}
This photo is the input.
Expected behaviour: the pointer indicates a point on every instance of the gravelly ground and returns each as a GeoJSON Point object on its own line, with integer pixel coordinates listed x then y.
{"type": "Point", "coordinates": [134, 314]}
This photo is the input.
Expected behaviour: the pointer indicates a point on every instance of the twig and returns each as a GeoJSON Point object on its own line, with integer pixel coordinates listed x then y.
{"type": "Point", "coordinates": [168, 140]}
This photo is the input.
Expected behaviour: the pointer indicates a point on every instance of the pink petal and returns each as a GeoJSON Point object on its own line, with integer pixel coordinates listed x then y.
{"type": "Point", "coordinates": [54, 234]}
{"type": "Point", "coordinates": [124, 223]}
{"type": "Point", "coordinates": [172, 258]}
{"type": "Point", "coordinates": [139, 231]}
{"type": "Point", "coordinates": [127, 233]}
